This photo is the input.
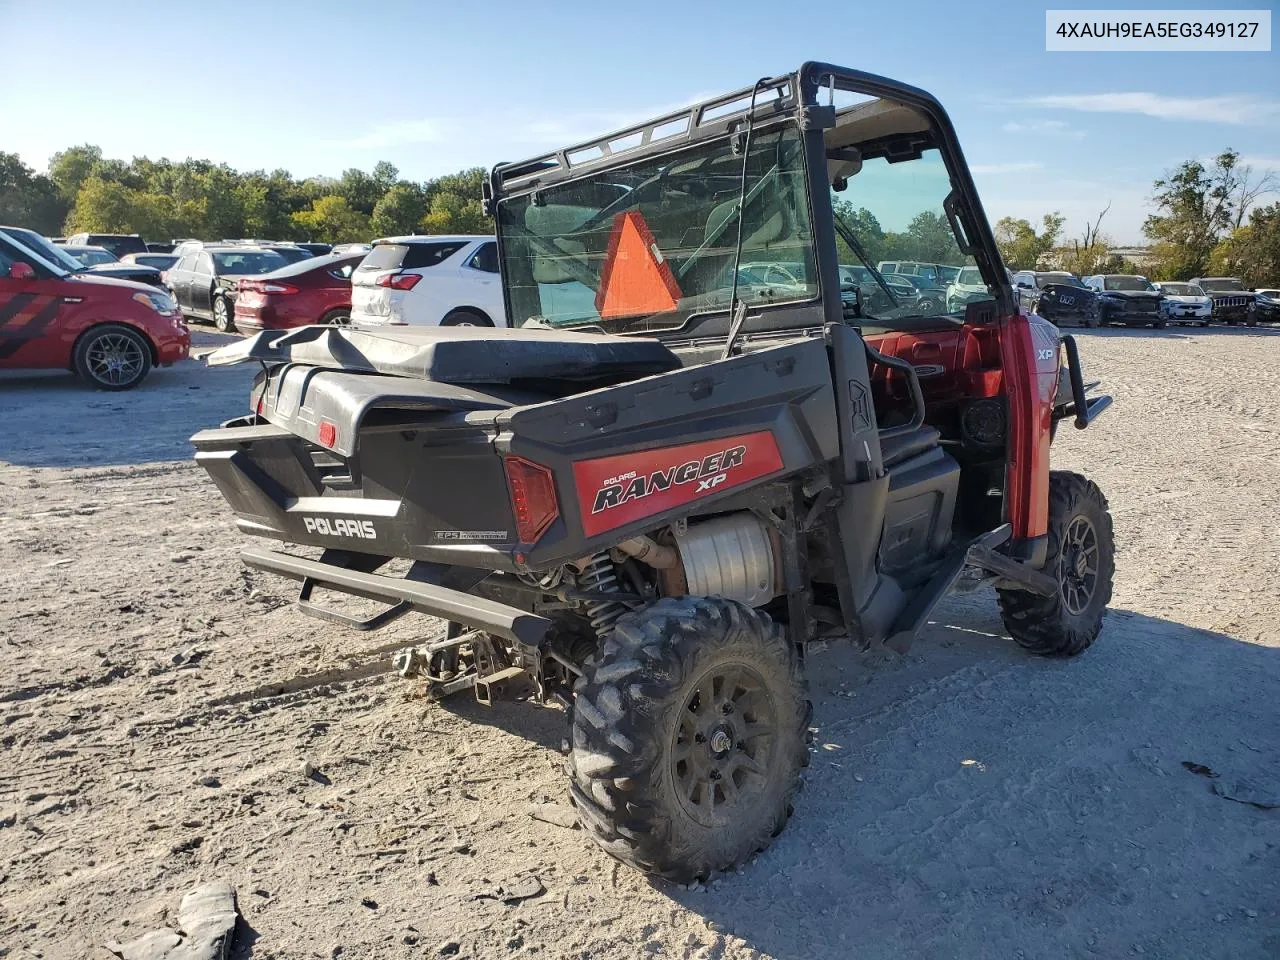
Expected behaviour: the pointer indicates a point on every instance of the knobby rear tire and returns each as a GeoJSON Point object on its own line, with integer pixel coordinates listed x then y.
{"type": "Point", "coordinates": [635, 706]}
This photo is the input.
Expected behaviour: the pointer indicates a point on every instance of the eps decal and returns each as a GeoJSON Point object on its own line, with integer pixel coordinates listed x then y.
{"type": "Point", "coordinates": [614, 491]}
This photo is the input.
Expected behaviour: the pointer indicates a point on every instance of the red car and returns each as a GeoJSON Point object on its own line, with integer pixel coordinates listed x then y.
{"type": "Point", "coordinates": [110, 332]}
{"type": "Point", "coordinates": [317, 290]}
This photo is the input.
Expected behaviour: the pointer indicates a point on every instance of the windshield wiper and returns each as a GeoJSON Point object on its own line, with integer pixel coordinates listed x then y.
{"type": "Point", "coordinates": [849, 237]}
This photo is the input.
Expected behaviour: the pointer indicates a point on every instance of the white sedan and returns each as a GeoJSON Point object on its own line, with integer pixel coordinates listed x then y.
{"type": "Point", "coordinates": [1185, 303]}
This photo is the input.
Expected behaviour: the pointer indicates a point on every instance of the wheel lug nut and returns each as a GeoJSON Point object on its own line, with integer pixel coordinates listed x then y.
{"type": "Point", "coordinates": [715, 774]}
{"type": "Point", "coordinates": [727, 708]}
{"type": "Point", "coordinates": [699, 738]}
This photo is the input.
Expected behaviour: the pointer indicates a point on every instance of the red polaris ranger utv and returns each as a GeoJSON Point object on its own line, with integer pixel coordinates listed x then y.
{"type": "Point", "coordinates": [712, 434]}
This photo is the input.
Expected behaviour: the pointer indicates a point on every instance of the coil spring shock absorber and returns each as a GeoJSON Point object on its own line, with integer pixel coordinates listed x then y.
{"type": "Point", "coordinates": [599, 576]}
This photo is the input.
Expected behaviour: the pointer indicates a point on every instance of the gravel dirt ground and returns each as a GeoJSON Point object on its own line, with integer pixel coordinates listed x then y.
{"type": "Point", "coordinates": [159, 702]}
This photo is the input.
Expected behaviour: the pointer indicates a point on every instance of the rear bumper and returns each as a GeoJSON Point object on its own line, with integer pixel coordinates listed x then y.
{"type": "Point", "coordinates": [499, 619]}
{"type": "Point", "coordinates": [172, 347]}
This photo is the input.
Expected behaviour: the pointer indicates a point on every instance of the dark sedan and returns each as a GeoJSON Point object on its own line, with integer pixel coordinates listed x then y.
{"type": "Point", "coordinates": [1267, 305]}
{"type": "Point", "coordinates": [205, 282]}
{"type": "Point", "coordinates": [103, 263]}
{"type": "Point", "coordinates": [1127, 299]}
{"type": "Point", "coordinates": [1060, 297]}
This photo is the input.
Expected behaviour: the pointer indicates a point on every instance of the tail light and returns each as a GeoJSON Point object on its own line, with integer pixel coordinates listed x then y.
{"type": "Point", "coordinates": [533, 498]}
{"type": "Point", "coordinates": [327, 434]}
{"type": "Point", "coordinates": [398, 281]}
{"type": "Point", "coordinates": [266, 286]}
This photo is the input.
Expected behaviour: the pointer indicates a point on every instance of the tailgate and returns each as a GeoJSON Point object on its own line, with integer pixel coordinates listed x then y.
{"type": "Point", "coordinates": [381, 465]}
{"type": "Point", "coordinates": [370, 302]}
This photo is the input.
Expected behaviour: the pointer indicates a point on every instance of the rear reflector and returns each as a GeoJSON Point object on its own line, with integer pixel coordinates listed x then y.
{"type": "Point", "coordinates": [533, 497]}
{"type": "Point", "coordinates": [398, 281]}
{"type": "Point", "coordinates": [327, 434]}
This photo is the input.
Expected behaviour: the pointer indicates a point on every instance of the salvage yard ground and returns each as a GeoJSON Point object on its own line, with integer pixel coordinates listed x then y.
{"type": "Point", "coordinates": [168, 718]}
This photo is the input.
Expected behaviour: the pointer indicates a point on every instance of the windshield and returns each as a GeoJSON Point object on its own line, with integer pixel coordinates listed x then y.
{"type": "Point", "coordinates": [119, 245]}
{"type": "Point", "coordinates": [1126, 283]}
{"type": "Point", "coordinates": [161, 261]}
{"type": "Point", "coordinates": [644, 247]}
{"type": "Point", "coordinates": [1066, 279]}
{"type": "Point", "coordinates": [1181, 290]}
{"type": "Point", "coordinates": [41, 245]}
{"type": "Point", "coordinates": [90, 257]}
{"type": "Point", "coordinates": [890, 216]}
{"type": "Point", "coordinates": [249, 262]}
{"type": "Point", "coordinates": [1224, 283]}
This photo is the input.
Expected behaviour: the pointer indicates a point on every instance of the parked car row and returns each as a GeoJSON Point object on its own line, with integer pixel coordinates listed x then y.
{"type": "Point", "coordinates": [138, 299]}
{"type": "Point", "coordinates": [1133, 300]}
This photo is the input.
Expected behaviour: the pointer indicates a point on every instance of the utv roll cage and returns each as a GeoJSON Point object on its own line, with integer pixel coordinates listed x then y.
{"type": "Point", "coordinates": [797, 98]}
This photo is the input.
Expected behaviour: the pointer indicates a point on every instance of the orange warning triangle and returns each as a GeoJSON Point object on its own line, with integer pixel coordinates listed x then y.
{"type": "Point", "coordinates": [636, 278]}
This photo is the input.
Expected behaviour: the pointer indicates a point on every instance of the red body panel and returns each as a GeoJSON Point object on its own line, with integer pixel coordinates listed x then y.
{"type": "Point", "coordinates": [1029, 350]}
{"type": "Point", "coordinates": [42, 318]}
{"type": "Point", "coordinates": [614, 491]}
{"type": "Point", "coordinates": [318, 292]}
{"type": "Point", "coordinates": [1018, 358]}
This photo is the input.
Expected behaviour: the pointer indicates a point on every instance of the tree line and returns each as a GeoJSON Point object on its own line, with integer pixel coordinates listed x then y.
{"type": "Point", "coordinates": [1206, 223]}
{"type": "Point", "coordinates": [1205, 220]}
{"type": "Point", "coordinates": [928, 237]}
{"type": "Point", "coordinates": [164, 199]}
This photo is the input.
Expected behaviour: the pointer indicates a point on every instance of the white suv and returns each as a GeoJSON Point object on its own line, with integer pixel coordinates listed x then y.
{"type": "Point", "coordinates": [429, 281]}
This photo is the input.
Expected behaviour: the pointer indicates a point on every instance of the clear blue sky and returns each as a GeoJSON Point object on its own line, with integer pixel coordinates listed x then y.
{"type": "Point", "coordinates": [432, 86]}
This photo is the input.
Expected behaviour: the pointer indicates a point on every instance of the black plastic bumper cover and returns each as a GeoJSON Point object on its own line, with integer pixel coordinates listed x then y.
{"type": "Point", "coordinates": [510, 623]}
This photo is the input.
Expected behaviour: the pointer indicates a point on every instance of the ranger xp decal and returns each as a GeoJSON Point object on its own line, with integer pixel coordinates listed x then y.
{"type": "Point", "coordinates": [614, 491]}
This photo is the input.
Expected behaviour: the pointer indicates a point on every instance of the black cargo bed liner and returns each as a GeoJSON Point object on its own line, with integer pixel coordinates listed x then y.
{"type": "Point", "coordinates": [460, 355]}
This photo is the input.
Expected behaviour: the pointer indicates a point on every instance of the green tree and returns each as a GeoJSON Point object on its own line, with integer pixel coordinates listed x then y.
{"type": "Point", "coordinates": [930, 239]}
{"type": "Point", "coordinates": [361, 191]}
{"type": "Point", "coordinates": [1253, 251]}
{"type": "Point", "coordinates": [400, 211]}
{"type": "Point", "coordinates": [1195, 207]}
{"type": "Point", "coordinates": [71, 167]}
{"type": "Point", "coordinates": [1021, 246]}
{"type": "Point", "coordinates": [453, 204]}
{"type": "Point", "coordinates": [385, 175]}
{"type": "Point", "coordinates": [29, 199]}
{"type": "Point", "coordinates": [102, 206]}
{"type": "Point", "coordinates": [331, 220]}
{"type": "Point", "coordinates": [865, 227]}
